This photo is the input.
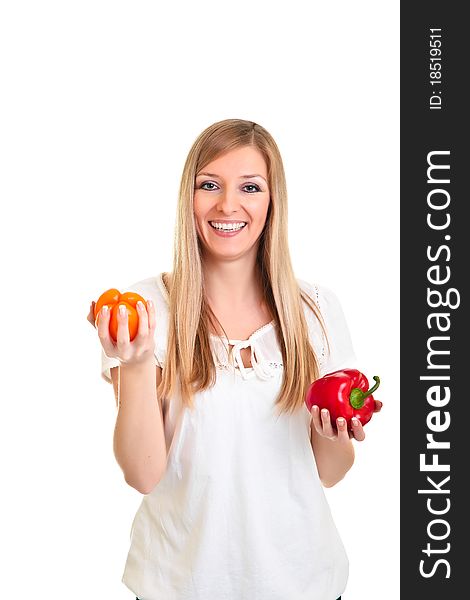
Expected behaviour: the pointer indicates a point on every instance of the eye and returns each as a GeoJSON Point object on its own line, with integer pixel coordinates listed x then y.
{"type": "Point", "coordinates": [206, 183]}
{"type": "Point", "coordinates": [253, 185]}
{"type": "Point", "coordinates": [254, 188]}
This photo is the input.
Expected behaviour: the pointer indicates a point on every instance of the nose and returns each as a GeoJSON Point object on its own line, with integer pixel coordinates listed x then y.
{"type": "Point", "coordinates": [228, 202]}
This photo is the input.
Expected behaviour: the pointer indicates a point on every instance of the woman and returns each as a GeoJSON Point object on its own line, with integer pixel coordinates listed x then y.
{"type": "Point", "coordinates": [212, 426]}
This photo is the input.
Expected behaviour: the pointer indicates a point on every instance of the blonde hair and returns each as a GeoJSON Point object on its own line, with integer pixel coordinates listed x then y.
{"type": "Point", "coordinates": [189, 355]}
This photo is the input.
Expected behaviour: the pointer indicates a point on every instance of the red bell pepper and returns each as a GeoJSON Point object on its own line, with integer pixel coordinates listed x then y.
{"type": "Point", "coordinates": [344, 393]}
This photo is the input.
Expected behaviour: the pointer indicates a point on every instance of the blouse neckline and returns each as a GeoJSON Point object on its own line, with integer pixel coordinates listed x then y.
{"type": "Point", "coordinates": [254, 335]}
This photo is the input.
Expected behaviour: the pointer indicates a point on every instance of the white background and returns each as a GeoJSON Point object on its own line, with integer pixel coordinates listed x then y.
{"type": "Point", "coordinates": [101, 102]}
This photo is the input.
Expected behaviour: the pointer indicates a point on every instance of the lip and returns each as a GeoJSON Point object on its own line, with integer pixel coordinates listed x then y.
{"type": "Point", "coordinates": [225, 234]}
{"type": "Point", "coordinates": [227, 221]}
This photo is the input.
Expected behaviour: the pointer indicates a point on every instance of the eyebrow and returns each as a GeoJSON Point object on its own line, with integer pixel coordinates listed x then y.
{"type": "Point", "coordinates": [241, 176]}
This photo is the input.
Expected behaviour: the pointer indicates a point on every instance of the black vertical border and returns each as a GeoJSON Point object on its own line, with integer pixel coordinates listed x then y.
{"type": "Point", "coordinates": [425, 130]}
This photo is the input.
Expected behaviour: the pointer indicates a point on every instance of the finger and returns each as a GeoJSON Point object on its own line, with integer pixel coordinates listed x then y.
{"type": "Point", "coordinates": [326, 422]}
{"type": "Point", "coordinates": [343, 435]}
{"type": "Point", "coordinates": [357, 430]}
{"type": "Point", "coordinates": [315, 412]}
{"type": "Point", "coordinates": [103, 330]}
{"type": "Point", "coordinates": [152, 316]}
{"type": "Point", "coordinates": [123, 337]}
{"type": "Point", "coordinates": [91, 314]}
{"type": "Point", "coordinates": [378, 406]}
{"type": "Point", "coordinates": [100, 313]}
{"type": "Point", "coordinates": [143, 328]}
{"type": "Point", "coordinates": [102, 322]}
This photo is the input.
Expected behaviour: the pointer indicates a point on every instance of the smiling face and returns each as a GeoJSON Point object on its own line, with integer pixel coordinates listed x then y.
{"type": "Point", "coordinates": [230, 191]}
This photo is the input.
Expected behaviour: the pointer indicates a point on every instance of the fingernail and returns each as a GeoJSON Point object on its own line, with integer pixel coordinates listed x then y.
{"type": "Point", "coordinates": [104, 310]}
{"type": "Point", "coordinates": [149, 303]}
{"type": "Point", "coordinates": [140, 304]}
{"type": "Point", "coordinates": [122, 310]}
{"type": "Point", "coordinates": [355, 422]}
{"type": "Point", "coordinates": [341, 422]}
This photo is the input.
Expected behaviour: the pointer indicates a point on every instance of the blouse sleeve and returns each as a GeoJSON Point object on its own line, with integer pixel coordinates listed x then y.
{"type": "Point", "coordinates": [334, 351]}
{"type": "Point", "coordinates": [150, 289]}
{"type": "Point", "coordinates": [340, 353]}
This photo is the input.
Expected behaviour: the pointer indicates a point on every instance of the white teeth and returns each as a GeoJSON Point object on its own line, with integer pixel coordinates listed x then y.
{"type": "Point", "coordinates": [227, 226]}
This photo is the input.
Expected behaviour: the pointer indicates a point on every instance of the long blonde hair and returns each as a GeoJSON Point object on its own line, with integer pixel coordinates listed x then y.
{"type": "Point", "coordinates": [189, 355]}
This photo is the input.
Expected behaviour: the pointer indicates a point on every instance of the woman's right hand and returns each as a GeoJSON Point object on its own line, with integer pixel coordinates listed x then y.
{"type": "Point", "coordinates": [142, 346]}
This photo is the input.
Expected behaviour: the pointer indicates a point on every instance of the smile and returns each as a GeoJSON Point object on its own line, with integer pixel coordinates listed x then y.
{"type": "Point", "coordinates": [227, 226]}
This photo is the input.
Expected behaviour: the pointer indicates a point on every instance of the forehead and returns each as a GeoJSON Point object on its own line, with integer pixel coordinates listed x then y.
{"type": "Point", "coordinates": [246, 160]}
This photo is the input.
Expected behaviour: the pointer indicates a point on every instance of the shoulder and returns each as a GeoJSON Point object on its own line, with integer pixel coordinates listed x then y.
{"type": "Point", "coordinates": [322, 295]}
{"type": "Point", "coordinates": [326, 301]}
{"type": "Point", "coordinates": [308, 288]}
{"type": "Point", "coordinates": [151, 288]}
{"type": "Point", "coordinates": [337, 349]}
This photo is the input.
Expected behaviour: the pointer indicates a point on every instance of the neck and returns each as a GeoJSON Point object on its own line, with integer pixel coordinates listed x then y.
{"type": "Point", "coordinates": [236, 283]}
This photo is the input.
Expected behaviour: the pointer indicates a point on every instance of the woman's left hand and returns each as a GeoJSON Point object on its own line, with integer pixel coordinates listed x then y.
{"type": "Point", "coordinates": [322, 423]}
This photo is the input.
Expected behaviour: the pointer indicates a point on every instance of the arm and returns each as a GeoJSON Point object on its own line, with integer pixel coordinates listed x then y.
{"type": "Point", "coordinates": [334, 457]}
{"type": "Point", "coordinates": [139, 439]}
{"type": "Point", "coordinates": [334, 451]}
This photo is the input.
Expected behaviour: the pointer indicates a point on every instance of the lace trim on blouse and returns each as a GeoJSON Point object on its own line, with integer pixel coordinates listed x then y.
{"type": "Point", "coordinates": [322, 357]}
{"type": "Point", "coordinates": [261, 365]}
{"type": "Point", "coordinates": [263, 368]}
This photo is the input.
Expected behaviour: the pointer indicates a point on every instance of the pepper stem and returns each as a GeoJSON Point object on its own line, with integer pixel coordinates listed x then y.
{"type": "Point", "coordinates": [357, 396]}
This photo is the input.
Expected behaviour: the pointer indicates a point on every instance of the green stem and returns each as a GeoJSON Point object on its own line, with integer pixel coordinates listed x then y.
{"type": "Point", "coordinates": [357, 396]}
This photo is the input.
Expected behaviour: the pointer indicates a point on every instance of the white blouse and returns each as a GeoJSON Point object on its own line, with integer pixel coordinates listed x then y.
{"type": "Point", "coordinates": [240, 513]}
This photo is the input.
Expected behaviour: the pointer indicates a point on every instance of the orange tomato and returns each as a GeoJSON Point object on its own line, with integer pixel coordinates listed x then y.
{"type": "Point", "coordinates": [113, 299]}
